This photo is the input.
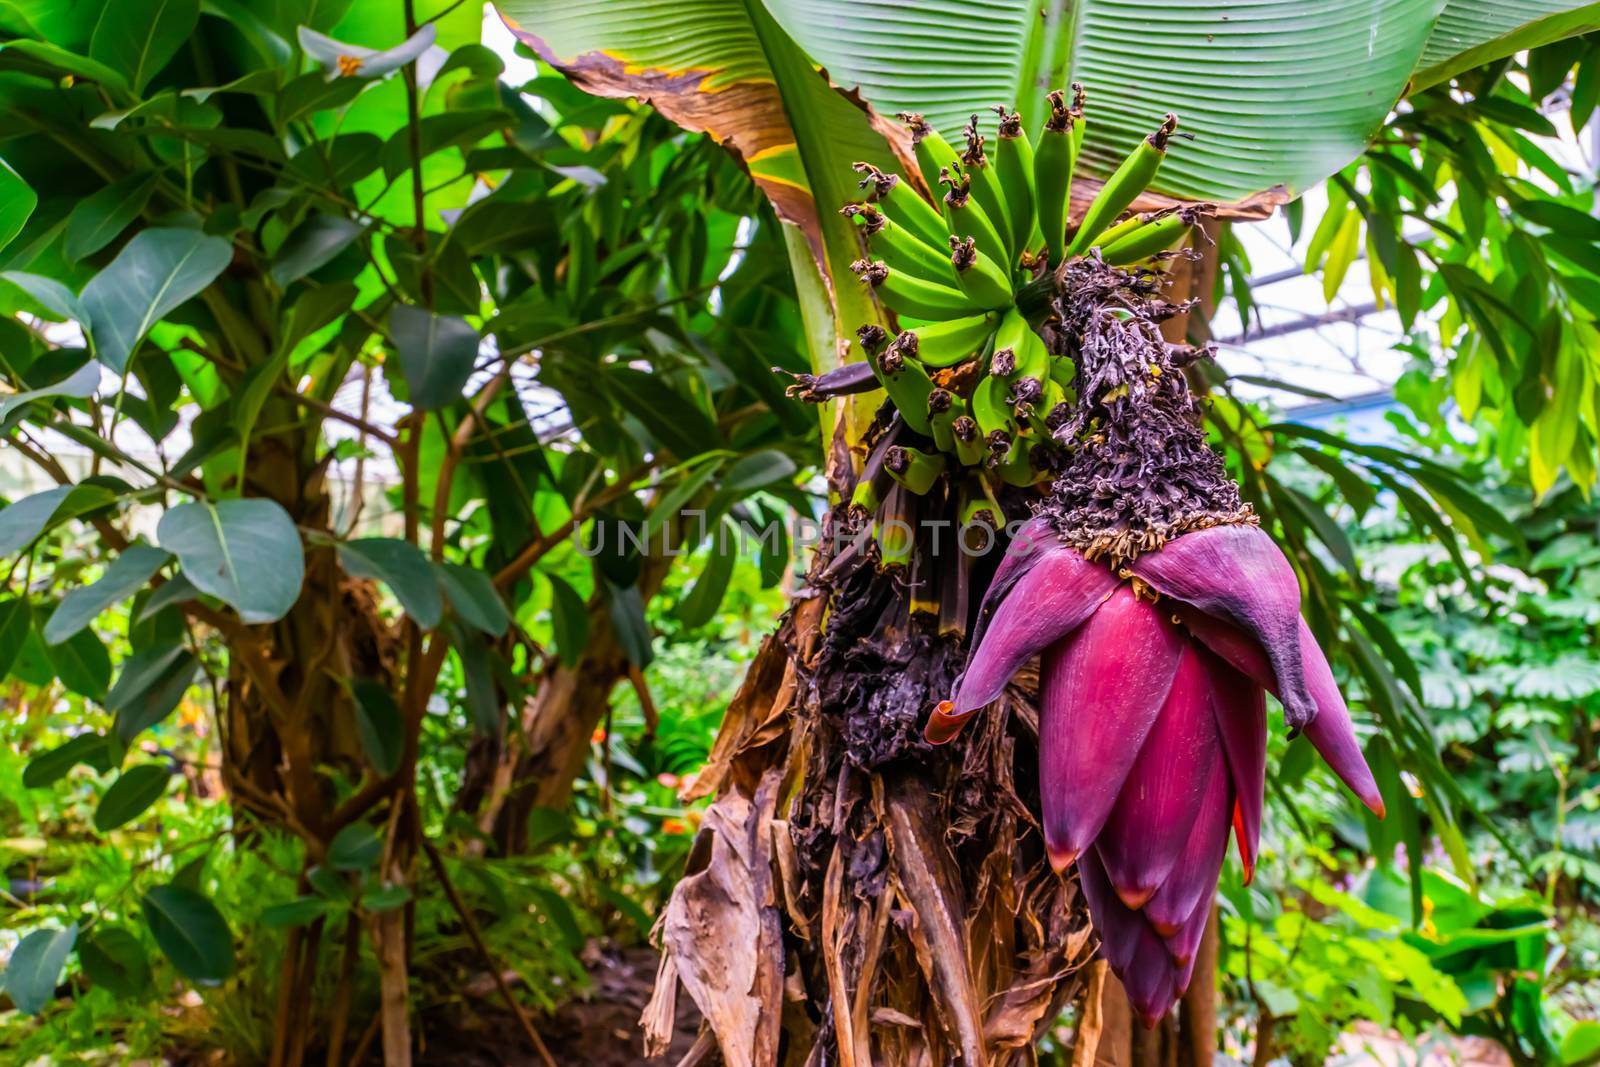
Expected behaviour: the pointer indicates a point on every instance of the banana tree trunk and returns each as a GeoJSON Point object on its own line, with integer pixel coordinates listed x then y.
{"type": "Point", "coordinates": [857, 896]}
{"type": "Point", "coordinates": [896, 895]}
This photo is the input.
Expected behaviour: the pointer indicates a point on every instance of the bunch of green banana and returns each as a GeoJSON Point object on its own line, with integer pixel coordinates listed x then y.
{"type": "Point", "coordinates": [976, 388]}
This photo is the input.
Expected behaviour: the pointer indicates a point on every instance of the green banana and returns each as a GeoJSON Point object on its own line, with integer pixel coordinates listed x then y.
{"type": "Point", "coordinates": [908, 294]}
{"type": "Point", "coordinates": [1033, 358]}
{"type": "Point", "coordinates": [976, 508]}
{"type": "Point", "coordinates": [914, 469]}
{"type": "Point", "coordinates": [1025, 396]}
{"type": "Point", "coordinates": [874, 481]}
{"type": "Point", "coordinates": [1013, 160]}
{"type": "Point", "coordinates": [1010, 340]}
{"type": "Point", "coordinates": [1121, 229]}
{"type": "Point", "coordinates": [934, 153]}
{"type": "Point", "coordinates": [894, 534]}
{"type": "Point", "coordinates": [1146, 241]}
{"type": "Point", "coordinates": [978, 275]}
{"type": "Point", "coordinates": [1124, 186]}
{"type": "Point", "coordinates": [965, 217]}
{"type": "Point", "coordinates": [898, 247]}
{"type": "Point", "coordinates": [987, 190]}
{"type": "Point", "coordinates": [1052, 409]}
{"type": "Point", "coordinates": [1053, 164]}
{"type": "Point", "coordinates": [944, 407]}
{"type": "Point", "coordinates": [944, 344]}
{"type": "Point", "coordinates": [969, 442]}
{"type": "Point", "coordinates": [907, 384]}
{"type": "Point", "coordinates": [990, 407]}
{"type": "Point", "coordinates": [1063, 371]}
{"type": "Point", "coordinates": [903, 204]}
{"type": "Point", "coordinates": [1017, 467]}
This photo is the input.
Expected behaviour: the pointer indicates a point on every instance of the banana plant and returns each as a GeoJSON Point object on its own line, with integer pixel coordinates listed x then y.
{"type": "Point", "coordinates": [1023, 324]}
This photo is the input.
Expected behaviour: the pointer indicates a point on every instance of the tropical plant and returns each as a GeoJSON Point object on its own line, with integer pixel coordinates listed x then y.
{"type": "Point", "coordinates": [819, 762]}
{"type": "Point", "coordinates": [338, 356]}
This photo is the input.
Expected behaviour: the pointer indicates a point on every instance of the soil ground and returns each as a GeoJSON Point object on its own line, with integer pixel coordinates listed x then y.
{"type": "Point", "coordinates": [600, 1030]}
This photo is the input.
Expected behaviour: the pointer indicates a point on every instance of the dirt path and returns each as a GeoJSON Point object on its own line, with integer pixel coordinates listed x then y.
{"type": "Point", "coordinates": [601, 1030]}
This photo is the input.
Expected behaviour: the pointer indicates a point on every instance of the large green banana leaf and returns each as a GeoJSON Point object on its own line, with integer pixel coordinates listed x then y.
{"type": "Point", "coordinates": [1276, 94]}
{"type": "Point", "coordinates": [1472, 32]}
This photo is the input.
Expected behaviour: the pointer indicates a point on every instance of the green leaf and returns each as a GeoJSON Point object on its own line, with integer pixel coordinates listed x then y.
{"type": "Point", "coordinates": [355, 848]}
{"type": "Point", "coordinates": [1581, 1046]}
{"type": "Point", "coordinates": [1262, 59]}
{"type": "Point", "coordinates": [437, 353]}
{"type": "Point", "coordinates": [301, 911]}
{"type": "Point", "coordinates": [51, 295]}
{"type": "Point", "coordinates": [702, 600]}
{"type": "Point", "coordinates": [54, 765]}
{"type": "Point", "coordinates": [100, 219]}
{"type": "Point", "coordinates": [757, 470]}
{"type": "Point", "coordinates": [673, 419]}
{"type": "Point", "coordinates": [127, 574]}
{"type": "Point", "coordinates": [35, 967]}
{"type": "Point", "coordinates": [152, 682]}
{"type": "Point", "coordinates": [484, 702]}
{"type": "Point", "coordinates": [474, 599]}
{"type": "Point", "coordinates": [626, 609]}
{"type": "Point", "coordinates": [71, 62]}
{"type": "Point", "coordinates": [17, 201]}
{"type": "Point", "coordinates": [569, 617]}
{"type": "Point", "coordinates": [311, 245]}
{"type": "Point", "coordinates": [378, 724]}
{"type": "Point", "coordinates": [114, 959]}
{"type": "Point", "coordinates": [246, 553]}
{"type": "Point", "coordinates": [83, 664]}
{"type": "Point", "coordinates": [385, 897]}
{"type": "Point", "coordinates": [153, 274]}
{"type": "Point", "coordinates": [797, 135]}
{"type": "Point", "coordinates": [16, 622]}
{"type": "Point", "coordinates": [139, 37]}
{"type": "Point", "coordinates": [404, 568]}
{"type": "Point", "coordinates": [1471, 33]}
{"type": "Point", "coordinates": [131, 795]}
{"type": "Point", "coordinates": [190, 931]}
{"type": "Point", "coordinates": [26, 519]}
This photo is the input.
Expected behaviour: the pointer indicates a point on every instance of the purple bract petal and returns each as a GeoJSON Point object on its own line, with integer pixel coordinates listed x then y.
{"type": "Point", "coordinates": [1033, 540]}
{"type": "Point", "coordinates": [1238, 574]}
{"type": "Point", "coordinates": [1168, 788]}
{"type": "Point", "coordinates": [1331, 731]}
{"type": "Point", "coordinates": [1046, 603]}
{"type": "Point", "coordinates": [1241, 712]}
{"type": "Point", "coordinates": [1120, 929]}
{"type": "Point", "coordinates": [1101, 690]}
{"type": "Point", "coordinates": [1194, 877]}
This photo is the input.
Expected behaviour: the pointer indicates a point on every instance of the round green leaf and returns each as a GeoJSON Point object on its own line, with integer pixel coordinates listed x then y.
{"type": "Point", "coordinates": [131, 795]}
{"type": "Point", "coordinates": [35, 967]}
{"type": "Point", "coordinates": [436, 352]}
{"type": "Point", "coordinates": [355, 848]}
{"type": "Point", "coordinates": [474, 598]}
{"type": "Point", "coordinates": [401, 566]}
{"type": "Point", "coordinates": [246, 553]}
{"type": "Point", "coordinates": [154, 273]}
{"type": "Point", "coordinates": [83, 664]}
{"type": "Point", "coordinates": [114, 959]}
{"type": "Point", "coordinates": [190, 931]}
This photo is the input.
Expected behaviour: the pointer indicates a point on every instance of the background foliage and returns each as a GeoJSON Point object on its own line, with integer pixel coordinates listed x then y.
{"type": "Point", "coordinates": [402, 332]}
